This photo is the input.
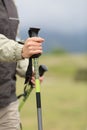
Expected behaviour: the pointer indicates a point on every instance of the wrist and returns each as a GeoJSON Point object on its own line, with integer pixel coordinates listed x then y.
{"type": "Point", "coordinates": [18, 52]}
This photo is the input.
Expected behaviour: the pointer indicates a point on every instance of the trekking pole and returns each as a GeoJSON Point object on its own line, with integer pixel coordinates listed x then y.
{"type": "Point", "coordinates": [28, 89]}
{"type": "Point", "coordinates": [34, 32]}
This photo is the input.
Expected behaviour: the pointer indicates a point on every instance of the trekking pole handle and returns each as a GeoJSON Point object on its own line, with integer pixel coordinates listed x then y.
{"type": "Point", "coordinates": [42, 70]}
{"type": "Point", "coordinates": [33, 32]}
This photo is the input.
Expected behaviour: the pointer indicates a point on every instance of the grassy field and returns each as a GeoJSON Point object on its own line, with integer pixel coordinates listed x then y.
{"type": "Point", "coordinates": [64, 100]}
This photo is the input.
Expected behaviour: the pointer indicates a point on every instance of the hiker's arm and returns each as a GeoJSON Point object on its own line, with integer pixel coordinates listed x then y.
{"type": "Point", "coordinates": [10, 50]}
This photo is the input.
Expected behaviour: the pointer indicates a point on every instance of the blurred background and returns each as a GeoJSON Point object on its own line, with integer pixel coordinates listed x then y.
{"type": "Point", "coordinates": [63, 24]}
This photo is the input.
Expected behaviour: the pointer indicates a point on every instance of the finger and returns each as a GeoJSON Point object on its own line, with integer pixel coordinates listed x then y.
{"type": "Point", "coordinates": [41, 79]}
{"type": "Point", "coordinates": [36, 52]}
{"type": "Point", "coordinates": [33, 47]}
{"type": "Point", "coordinates": [33, 80]}
{"type": "Point", "coordinates": [36, 39]}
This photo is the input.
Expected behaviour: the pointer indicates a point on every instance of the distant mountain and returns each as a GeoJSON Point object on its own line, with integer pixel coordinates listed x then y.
{"type": "Point", "coordinates": [73, 43]}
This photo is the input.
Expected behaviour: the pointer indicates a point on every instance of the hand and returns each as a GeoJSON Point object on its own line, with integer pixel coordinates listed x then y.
{"type": "Point", "coordinates": [40, 78]}
{"type": "Point", "coordinates": [32, 46]}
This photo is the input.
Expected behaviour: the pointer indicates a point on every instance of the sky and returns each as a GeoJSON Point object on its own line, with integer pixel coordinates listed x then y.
{"type": "Point", "coordinates": [57, 15]}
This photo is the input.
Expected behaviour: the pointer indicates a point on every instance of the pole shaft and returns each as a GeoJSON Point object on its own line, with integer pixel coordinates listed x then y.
{"type": "Point", "coordinates": [38, 95]}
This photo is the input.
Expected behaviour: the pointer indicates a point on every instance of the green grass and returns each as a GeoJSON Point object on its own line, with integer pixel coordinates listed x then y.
{"type": "Point", "coordinates": [64, 101]}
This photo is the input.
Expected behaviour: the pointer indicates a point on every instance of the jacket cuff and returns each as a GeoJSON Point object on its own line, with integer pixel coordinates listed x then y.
{"type": "Point", "coordinates": [18, 51]}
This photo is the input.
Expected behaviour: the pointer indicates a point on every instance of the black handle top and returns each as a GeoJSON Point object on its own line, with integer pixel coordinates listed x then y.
{"type": "Point", "coordinates": [42, 69]}
{"type": "Point", "coordinates": [33, 32]}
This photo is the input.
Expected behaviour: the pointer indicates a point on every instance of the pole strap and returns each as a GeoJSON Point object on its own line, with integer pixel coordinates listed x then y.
{"type": "Point", "coordinates": [29, 72]}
